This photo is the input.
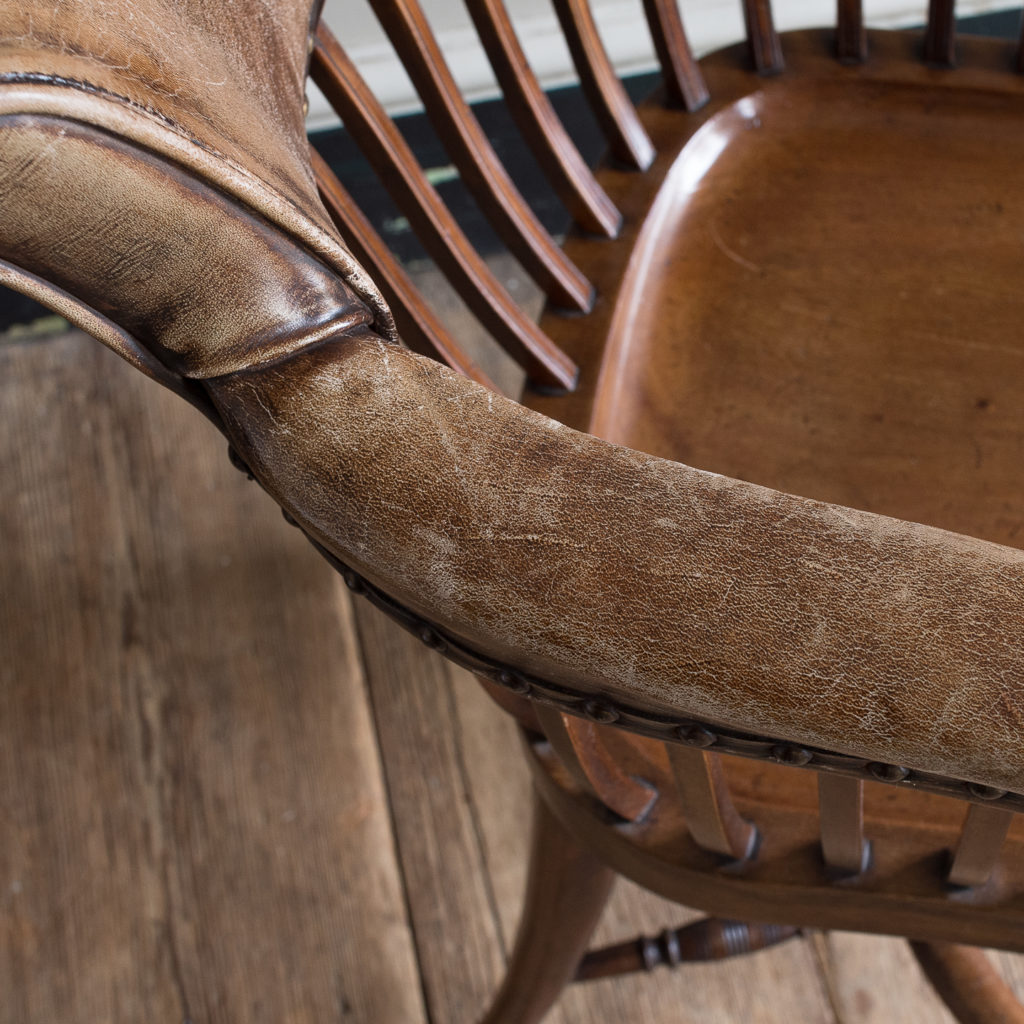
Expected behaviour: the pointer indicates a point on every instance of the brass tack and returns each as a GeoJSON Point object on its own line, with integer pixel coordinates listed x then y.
{"type": "Point", "coordinates": [289, 518]}
{"type": "Point", "coordinates": [599, 711]}
{"type": "Point", "coordinates": [352, 581]}
{"type": "Point", "coordinates": [786, 754]}
{"type": "Point", "coordinates": [695, 735]}
{"type": "Point", "coordinates": [512, 681]}
{"type": "Point", "coordinates": [888, 772]}
{"type": "Point", "coordinates": [985, 792]}
{"type": "Point", "coordinates": [431, 639]}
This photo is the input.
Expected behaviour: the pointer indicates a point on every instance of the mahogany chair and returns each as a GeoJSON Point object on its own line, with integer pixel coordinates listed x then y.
{"type": "Point", "coordinates": [784, 686]}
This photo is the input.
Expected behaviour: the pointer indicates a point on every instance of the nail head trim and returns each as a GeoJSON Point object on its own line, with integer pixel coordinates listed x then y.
{"type": "Point", "coordinates": [664, 727]}
{"type": "Point", "coordinates": [888, 772]}
{"type": "Point", "coordinates": [600, 711]}
{"type": "Point", "coordinates": [786, 753]}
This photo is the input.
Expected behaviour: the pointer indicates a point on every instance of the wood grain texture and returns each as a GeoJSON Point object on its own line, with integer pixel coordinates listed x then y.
{"type": "Point", "coordinates": [705, 802]}
{"type": "Point", "coordinates": [615, 112]}
{"type": "Point", "coordinates": [851, 36]}
{"type": "Point", "coordinates": [762, 39]}
{"type": "Point", "coordinates": [451, 903]}
{"type": "Point", "coordinates": [977, 853]}
{"type": "Point", "coordinates": [401, 175]}
{"type": "Point", "coordinates": [579, 745]}
{"type": "Point", "coordinates": [841, 809]}
{"type": "Point", "coordinates": [540, 126]}
{"type": "Point", "coordinates": [684, 82]}
{"type": "Point", "coordinates": [567, 888]}
{"type": "Point", "coordinates": [194, 824]}
{"type": "Point", "coordinates": [968, 983]}
{"type": "Point", "coordinates": [474, 156]}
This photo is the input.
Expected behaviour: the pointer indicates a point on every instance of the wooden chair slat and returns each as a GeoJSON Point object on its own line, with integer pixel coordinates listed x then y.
{"type": "Point", "coordinates": [841, 810]}
{"type": "Point", "coordinates": [981, 839]}
{"type": "Point", "coordinates": [576, 743]}
{"type": "Point", "coordinates": [684, 82]}
{"type": "Point", "coordinates": [473, 154]}
{"type": "Point", "coordinates": [940, 35]}
{"type": "Point", "coordinates": [765, 48]}
{"type": "Point", "coordinates": [711, 817]}
{"type": "Point", "coordinates": [851, 37]}
{"type": "Point", "coordinates": [545, 364]}
{"type": "Point", "coordinates": [419, 327]}
{"type": "Point", "coordinates": [540, 126]}
{"type": "Point", "coordinates": [615, 112]}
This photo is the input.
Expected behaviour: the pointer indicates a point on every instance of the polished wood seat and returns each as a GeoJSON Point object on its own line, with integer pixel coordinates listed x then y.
{"type": "Point", "coordinates": [777, 321]}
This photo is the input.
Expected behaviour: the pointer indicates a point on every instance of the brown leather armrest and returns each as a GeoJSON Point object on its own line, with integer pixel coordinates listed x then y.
{"type": "Point", "coordinates": [181, 225]}
{"type": "Point", "coordinates": [653, 584]}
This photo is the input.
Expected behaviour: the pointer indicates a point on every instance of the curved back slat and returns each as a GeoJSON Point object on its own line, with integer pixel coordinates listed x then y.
{"type": "Point", "coordinates": [540, 126]}
{"type": "Point", "coordinates": [418, 326]}
{"type": "Point", "coordinates": [981, 840]}
{"type": "Point", "coordinates": [851, 38]}
{"type": "Point", "coordinates": [940, 35]}
{"type": "Point", "coordinates": [765, 48]}
{"type": "Point", "coordinates": [582, 750]}
{"type": "Point", "coordinates": [684, 83]}
{"type": "Point", "coordinates": [711, 816]}
{"type": "Point", "coordinates": [475, 158]}
{"type": "Point", "coordinates": [545, 364]}
{"type": "Point", "coordinates": [841, 811]}
{"type": "Point", "coordinates": [615, 112]}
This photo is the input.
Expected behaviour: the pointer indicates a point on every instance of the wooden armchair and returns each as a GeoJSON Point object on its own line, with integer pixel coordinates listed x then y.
{"type": "Point", "coordinates": [785, 686]}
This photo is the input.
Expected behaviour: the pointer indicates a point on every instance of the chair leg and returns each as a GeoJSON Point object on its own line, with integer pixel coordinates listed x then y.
{"type": "Point", "coordinates": [566, 890]}
{"type": "Point", "coordinates": [968, 983]}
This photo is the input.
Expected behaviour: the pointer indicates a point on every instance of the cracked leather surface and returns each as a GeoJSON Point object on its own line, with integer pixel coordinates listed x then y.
{"type": "Point", "coordinates": [643, 579]}
{"type": "Point", "coordinates": [194, 225]}
{"type": "Point", "coordinates": [217, 87]}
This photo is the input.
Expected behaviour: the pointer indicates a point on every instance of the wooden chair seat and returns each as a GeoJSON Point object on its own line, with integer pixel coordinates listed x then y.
{"type": "Point", "coordinates": [770, 319]}
{"type": "Point", "coordinates": [774, 324]}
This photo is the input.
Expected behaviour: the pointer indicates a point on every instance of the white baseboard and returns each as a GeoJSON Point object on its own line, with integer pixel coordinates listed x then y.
{"type": "Point", "coordinates": [710, 25]}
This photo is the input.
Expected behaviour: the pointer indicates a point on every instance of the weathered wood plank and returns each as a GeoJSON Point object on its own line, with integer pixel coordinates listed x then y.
{"type": "Point", "coordinates": [876, 979]}
{"type": "Point", "coordinates": [194, 823]}
{"type": "Point", "coordinates": [450, 900]}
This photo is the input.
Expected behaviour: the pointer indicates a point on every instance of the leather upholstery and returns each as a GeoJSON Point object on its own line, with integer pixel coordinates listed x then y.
{"type": "Point", "coordinates": [195, 228]}
{"type": "Point", "coordinates": [216, 87]}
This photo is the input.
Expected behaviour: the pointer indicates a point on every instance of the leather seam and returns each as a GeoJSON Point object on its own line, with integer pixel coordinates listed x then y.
{"type": "Point", "coordinates": [377, 305]}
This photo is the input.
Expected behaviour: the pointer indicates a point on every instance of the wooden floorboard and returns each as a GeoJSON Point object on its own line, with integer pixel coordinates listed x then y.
{"type": "Point", "coordinates": [446, 879]}
{"type": "Point", "coordinates": [192, 806]}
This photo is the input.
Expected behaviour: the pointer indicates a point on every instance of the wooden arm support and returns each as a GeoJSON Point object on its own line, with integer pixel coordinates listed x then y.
{"type": "Point", "coordinates": [968, 983]}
